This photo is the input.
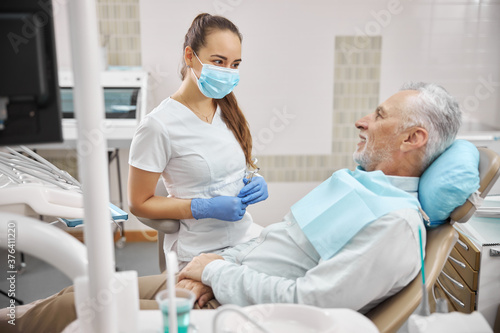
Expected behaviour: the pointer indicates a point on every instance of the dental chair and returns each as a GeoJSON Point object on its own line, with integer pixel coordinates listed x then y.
{"type": "Point", "coordinates": [391, 314]}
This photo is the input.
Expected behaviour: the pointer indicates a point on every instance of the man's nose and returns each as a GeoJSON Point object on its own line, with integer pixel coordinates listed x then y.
{"type": "Point", "coordinates": [362, 123]}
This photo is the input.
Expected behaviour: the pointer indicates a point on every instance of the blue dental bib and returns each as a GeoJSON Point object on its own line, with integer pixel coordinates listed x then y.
{"type": "Point", "coordinates": [335, 211]}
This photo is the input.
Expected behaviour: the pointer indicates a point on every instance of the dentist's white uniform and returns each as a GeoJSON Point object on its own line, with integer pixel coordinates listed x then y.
{"type": "Point", "coordinates": [197, 160]}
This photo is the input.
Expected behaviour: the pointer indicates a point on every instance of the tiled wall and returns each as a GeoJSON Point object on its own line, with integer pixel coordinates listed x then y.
{"type": "Point", "coordinates": [120, 31]}
{"type": "Point", "coordinates": [356, 93]}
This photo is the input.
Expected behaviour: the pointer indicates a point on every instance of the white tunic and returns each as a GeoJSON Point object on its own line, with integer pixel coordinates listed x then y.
{"type": "Point", "coordinates": [197, 160]}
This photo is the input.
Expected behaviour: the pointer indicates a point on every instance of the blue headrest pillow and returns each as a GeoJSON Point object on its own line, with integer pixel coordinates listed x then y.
{"type": "Point", "coordinates": [449, 181]}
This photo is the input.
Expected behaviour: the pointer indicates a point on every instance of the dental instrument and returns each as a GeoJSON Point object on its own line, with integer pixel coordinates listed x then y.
{"type": "Point", "coordinates": [45, 188]}
{"type": "Point", "coordinates": [64, 174]}
{"type": "Point", "coordinates": [251, 174]}
{"type": "Point", "coordinates": [36, 166]}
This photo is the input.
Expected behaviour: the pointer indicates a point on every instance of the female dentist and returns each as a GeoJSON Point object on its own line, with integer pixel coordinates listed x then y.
{"type": "Point", "coordinates": [198, 140]}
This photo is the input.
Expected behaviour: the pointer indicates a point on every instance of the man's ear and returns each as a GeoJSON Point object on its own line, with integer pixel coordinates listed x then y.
{"type": "Point", "coordinates": [416, 137]}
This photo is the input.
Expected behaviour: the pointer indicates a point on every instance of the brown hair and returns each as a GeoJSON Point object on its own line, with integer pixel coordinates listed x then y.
{"type": "Point", "coordinates": [202, 26]}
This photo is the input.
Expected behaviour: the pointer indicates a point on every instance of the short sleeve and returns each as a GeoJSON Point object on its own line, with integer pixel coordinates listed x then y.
{"type": "Point", "coordinates": [150, 149]}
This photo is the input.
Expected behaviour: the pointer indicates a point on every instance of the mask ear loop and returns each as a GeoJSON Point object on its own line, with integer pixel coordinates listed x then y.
{"type": "Point", "coordinates": [202, 64]}
{"type": "Point", "coordinates": [198, 58]}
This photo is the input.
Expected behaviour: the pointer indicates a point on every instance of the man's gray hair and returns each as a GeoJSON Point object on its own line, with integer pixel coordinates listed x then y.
{"type": "Point", "coordinates": [438, 112]}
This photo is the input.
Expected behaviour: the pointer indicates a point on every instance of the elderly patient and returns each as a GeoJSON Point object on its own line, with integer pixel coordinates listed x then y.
{"type": "Point", "coordinates": [286, 264]}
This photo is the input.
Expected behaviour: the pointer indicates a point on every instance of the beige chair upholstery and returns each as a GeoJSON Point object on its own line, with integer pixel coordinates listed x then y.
{"type": "Point", "coordinates": [391, 314]}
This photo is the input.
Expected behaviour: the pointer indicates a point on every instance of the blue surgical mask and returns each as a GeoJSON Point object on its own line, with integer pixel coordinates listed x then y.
{"type": "Point", "coordinates": [215, 81]}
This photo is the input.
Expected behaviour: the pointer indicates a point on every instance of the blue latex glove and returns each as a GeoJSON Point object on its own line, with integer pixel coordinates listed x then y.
{"type": "Point", "coordinates": [254, 191]}
{"type": "Point", "coordinates": [222, 208]}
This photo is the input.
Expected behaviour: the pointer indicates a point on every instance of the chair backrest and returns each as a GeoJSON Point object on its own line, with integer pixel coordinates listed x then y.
{"type": "Point", "coordinates": [391, 314]}
{"type": "Point", "coordinates": [489, 171]}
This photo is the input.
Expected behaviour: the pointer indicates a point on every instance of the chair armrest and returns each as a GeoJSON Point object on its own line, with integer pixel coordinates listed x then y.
{"type": "Point", "coordinates": [167, 226]}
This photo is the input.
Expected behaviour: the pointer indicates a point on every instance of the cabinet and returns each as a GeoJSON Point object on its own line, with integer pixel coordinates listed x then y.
{"type": "Point", "coordinates": [471, 277]}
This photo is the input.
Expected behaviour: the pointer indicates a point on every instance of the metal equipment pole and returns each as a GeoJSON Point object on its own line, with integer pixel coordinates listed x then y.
{"type": "Point", "coordinates": [92, 161]}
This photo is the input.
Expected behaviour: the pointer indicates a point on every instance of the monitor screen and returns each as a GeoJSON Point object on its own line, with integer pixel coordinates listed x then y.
{"type": "Point", "coordinates": [119, 103]}
{"type": "Point", "coordinates": [30, 109]}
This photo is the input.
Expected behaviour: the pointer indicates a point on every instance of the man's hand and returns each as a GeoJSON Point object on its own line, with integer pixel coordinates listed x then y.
{"type": "Point", "coordinates": [203, 293]}
{"type": "Point", "coordinates": [195, 268]}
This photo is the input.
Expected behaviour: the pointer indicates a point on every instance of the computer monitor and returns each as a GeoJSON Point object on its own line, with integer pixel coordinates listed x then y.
{"type": "Point", "coordinates": [30, 110]}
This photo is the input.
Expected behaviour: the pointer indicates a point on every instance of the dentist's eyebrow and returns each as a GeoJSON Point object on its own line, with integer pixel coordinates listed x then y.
{"type": "Point", "coordinates": [219, 56]}
{"type": "Point", "coordinates": [224, 58]}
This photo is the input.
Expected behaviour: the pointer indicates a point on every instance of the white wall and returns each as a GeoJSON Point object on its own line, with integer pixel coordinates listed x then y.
{"type": "Point", "coordinates": [453, 43]}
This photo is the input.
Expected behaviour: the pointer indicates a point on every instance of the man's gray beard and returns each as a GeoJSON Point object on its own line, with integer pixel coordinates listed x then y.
{"type": "Point", "coordinates": [360, 158]}
{"type": "Point", "coordinates": [367, 160]}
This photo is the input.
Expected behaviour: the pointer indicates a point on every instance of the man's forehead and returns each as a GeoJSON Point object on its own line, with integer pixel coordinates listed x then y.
{"type": "Point", "coordinates": [397, 101]}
